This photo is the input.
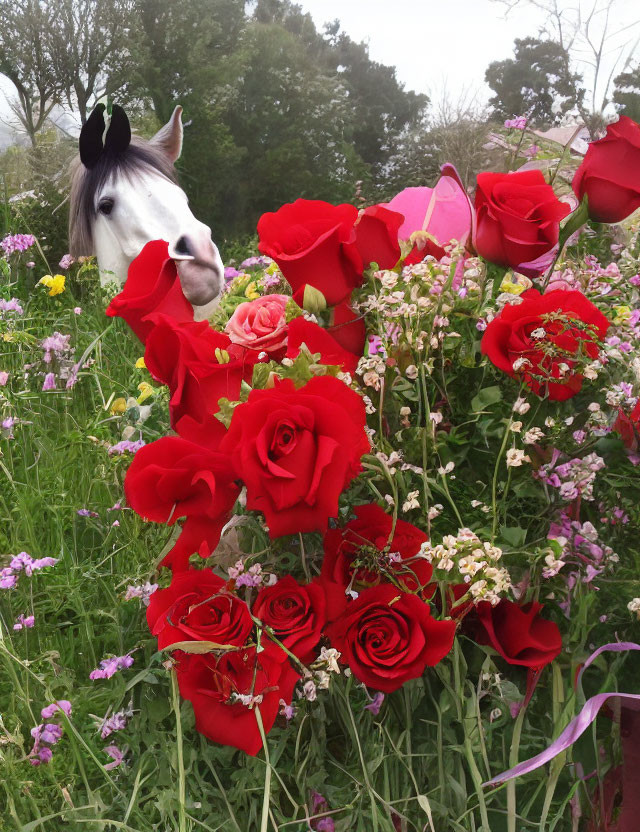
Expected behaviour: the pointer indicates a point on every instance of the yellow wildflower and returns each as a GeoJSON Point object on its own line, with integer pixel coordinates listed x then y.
{"type": "Point", "coordinates": [140, 365]}
{"type": "Point", "coordinates": [250, 292]}
{"type": "Point", "coordinates": [513, 287]}
{"type": "Point", "coordinates": [54, 283]}
{"type": "Point", "coordinates": [146, 390]}
{"type": "Point", "coordinates": [623, 314]}
{"type": "Point", "coordinates": [118, 406]}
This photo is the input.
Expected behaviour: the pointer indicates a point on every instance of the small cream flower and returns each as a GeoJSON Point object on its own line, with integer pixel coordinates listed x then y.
{"type": "Point", "coordinates": [515, 458]}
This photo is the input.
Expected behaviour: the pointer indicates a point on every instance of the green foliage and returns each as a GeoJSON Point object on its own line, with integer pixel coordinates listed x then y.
{"type": "Point", "coordinates": [536, 82]}
{"type": "Point", "coordinates": [626, 93]}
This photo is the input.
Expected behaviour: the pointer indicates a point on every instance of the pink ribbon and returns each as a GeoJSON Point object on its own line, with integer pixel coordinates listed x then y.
{"type": "Point", "coordinates": [579, 724]}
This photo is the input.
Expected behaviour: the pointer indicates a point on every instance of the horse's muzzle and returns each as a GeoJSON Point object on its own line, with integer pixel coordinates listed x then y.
{"type": "Point", "coordinates": [199, 267]}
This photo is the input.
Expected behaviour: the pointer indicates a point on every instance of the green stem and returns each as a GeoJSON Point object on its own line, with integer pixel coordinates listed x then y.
{"type": "Point", "coordinates": [182, 820]}
{"type": "Point", "coordinates": [264, 822]}
{"type": "Point", "coordinates": [513, 760]}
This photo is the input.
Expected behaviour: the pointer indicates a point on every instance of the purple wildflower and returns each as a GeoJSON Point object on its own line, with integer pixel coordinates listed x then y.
{"type": "Point", "coordinates": [109, 667]}
{"type": "Point", "coordinates": [517, 123]}
{"type": "Point", "coordinates": [287, 711]}
{"type": "Point", "coordinates": [16, 243]}
{"type": "Point", "coordinates": [24, 622]}
{"type": "Point", "coordinates": [85, 512]}
{"type": "Point", "coordinates": [61, 705]}
{"type": "Point", "coordinates": [261, 261]}
{"type": "Point", "coordinates": [116, 755]}
{"type": "Point", "coordinates": [126, 446]}
{"type": "Point", "coordinates": [44, 755]}
{"type": "Point", "coordinates": [49, 382]}
{"type": "Point", "coordinates": [230, 273]}
{"type": "Point", "coordinates": [66, 262]}
{"type": "Point", "coordinates": [77, 310]}
{"type": "Point", "coordinates": [375, 704]}
{"type": "Point", "coordinates": [12, 305]}
{"type": "Point", "coordinates": [116, 722]}
{"type": "Point", "coordinates": [55, 346]}
{"type": "Point", "coordinates": [7, 579]}
{"type": "Point", "coordinates": [143, 592]}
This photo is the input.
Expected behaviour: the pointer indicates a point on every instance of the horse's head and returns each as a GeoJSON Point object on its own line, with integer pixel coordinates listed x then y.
{"type": "Point", "coordinates": [124, 193]}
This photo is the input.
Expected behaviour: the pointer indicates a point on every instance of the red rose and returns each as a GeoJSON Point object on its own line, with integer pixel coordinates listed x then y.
{"type": "Point", "coordinates": [196, 607]}
{"type": "Point", "coordinates": [377, 236]}
{"type": "Point", "coordinates": [260, 325]}
{"type": "Point", "coordinates": [296, 613]}
{"type": "Point", "coordinates": [610, 173]}
{"type": "Point", "coordinates": [152, 286]}
{"type": "Point", "coordinates": [199, 366]}
{"type": "Point", "coordinates": [363, 553]}
{"type": "Point", "coordinates": [348, 329]}
{"type": "Point", "coordinates": [517, 219]}
{"type": "Point", "coordinates": [629, 427]}
{"type": "Point", "coordinates": [518, 633]}
{"type": "Point", "coordinates": [216, 687]}
{"type": "Point", "coordinates": [313, 243]}
{"type": "Point", "coordinates": [297, 450]}
{"type": "Point", "coordinates": [319, 340]}
{"type": "Point", "coordinates": [534, 338]}
{"type": "Point", "coordinates": [388, 636]}
{"type": "Point", "coordinates": [173, 478]}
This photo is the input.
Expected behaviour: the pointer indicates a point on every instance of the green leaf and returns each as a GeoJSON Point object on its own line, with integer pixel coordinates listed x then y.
{"type": "Point", "coordinates": [313, 300]}
{"type": "Point", "coordinates": [514, 535]}
{"type": "Point", "coordinates": [485, 398]}
{"type": "Point", "coordinates": [574, 222]}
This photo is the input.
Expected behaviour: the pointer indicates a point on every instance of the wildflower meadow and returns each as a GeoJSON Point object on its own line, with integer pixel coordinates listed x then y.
{"type": "Point", "coordinates": [357, 550]}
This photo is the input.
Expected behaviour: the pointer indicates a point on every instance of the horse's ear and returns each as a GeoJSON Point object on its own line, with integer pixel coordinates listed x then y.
{"type": "Point", "coordinates": [118, 135]}
{"type": "Point", "coordinates": [168, 139]}
{"type": "Point", "coordinates": [90, 143]}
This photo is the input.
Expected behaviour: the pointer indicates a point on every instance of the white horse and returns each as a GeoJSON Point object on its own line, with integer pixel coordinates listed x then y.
{"type": "Point", "coordinates": [124, 193]}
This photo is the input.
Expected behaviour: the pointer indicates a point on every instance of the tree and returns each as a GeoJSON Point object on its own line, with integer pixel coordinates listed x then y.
{"type": "Point", "coordinates": [626, 94]}
{"type": "Point", "coordinates": [25, 59]}
{"type": "Point", "coordinates": [536, 82]}
{"type": "Point", "coordinates": [88, 44]}
{"type": "Point", "coordinates": [599, 37]}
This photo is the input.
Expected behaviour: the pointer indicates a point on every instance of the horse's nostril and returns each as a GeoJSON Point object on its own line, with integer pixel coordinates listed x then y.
{"type": "Point", "coordinates": [183, 247]}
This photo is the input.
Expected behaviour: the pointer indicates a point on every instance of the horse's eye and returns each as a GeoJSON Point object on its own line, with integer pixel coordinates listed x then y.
{"type": "Point", "coordinates": [105, 206]}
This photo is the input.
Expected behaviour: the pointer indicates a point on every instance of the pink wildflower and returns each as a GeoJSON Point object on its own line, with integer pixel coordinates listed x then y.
{"type": "Point", "coordinates": [116, 755]}
{"type": "Point", "coordinates": [109, 667]}
{"type": "Point", "coordinates": [24, 622]}
{"type": "Point", "coordinates": [49, 382]}
{"type": "Point", "coordinates": [61, 705]}
{"type": "Point", "coordinates": [4, 378]}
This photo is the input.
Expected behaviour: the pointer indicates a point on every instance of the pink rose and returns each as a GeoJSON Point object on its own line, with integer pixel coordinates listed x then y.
{"type": "Point", "coordinates": [260, 324]}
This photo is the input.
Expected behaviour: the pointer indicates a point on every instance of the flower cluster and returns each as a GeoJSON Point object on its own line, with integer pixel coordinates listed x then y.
{"type": "Point", "coordinates": [314, 414]}
{"type": "Point", "coordinates": [13, 243]}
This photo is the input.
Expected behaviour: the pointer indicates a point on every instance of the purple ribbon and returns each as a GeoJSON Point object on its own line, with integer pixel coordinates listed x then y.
{"type": "Point", "coordinates": [579, 724]}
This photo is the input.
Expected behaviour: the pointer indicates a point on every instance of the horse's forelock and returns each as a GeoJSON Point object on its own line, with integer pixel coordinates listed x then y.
{"type": "Point", "coordinates": [140, 157]}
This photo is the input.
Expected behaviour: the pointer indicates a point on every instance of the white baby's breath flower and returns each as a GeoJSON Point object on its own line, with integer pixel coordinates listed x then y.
{"type": "Point", "coordinates": [532, 436]}
{"type": "Point", "coordinates": [520, 364]}
{"type": "Point", "coordinates": [434, 511]}
{"type": "Point", "coordinates": [515, 458]}
{"type": "Point", "coordinates": [521, 406]}
{"type": "Point", "coordinates": [411, 371]}
{"type": "Point", "coordinates": [412, 501]}
{"type": "Point", "coordinates": [516, 427]}
{"type": "Point", "coordinates": [447, 469]}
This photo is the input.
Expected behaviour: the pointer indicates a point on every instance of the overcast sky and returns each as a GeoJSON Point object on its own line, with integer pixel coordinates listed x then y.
{"type": "Point", "coordinates": [438, 43]}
